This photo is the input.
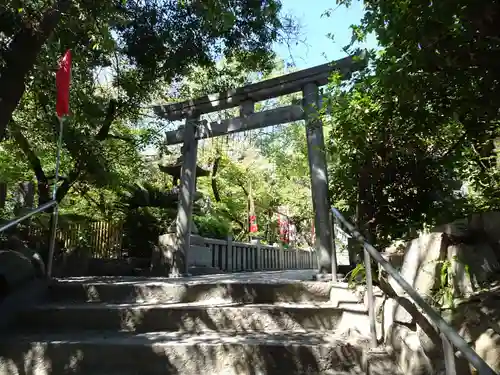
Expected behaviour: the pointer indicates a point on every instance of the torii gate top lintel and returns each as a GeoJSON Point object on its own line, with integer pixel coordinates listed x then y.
{"type": "Point", "coordinates": [271, 88]}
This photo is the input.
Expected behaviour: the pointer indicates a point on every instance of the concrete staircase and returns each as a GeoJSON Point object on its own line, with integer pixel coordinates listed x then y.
{"type": "Point", "coordinates": [125, 326]}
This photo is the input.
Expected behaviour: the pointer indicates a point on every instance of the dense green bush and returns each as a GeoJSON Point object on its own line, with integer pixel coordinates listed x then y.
{"type": "Point", "coordinates": [141, 229]}
{"type": "Point", "coordinates": [212, 226]}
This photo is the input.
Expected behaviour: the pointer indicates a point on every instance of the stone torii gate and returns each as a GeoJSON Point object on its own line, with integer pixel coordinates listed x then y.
{"type": "Point", "coordinates": [307, 81]}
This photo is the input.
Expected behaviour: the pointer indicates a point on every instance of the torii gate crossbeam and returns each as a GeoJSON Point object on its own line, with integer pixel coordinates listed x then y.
{"type": "Point", "coordinates": [307, 81]}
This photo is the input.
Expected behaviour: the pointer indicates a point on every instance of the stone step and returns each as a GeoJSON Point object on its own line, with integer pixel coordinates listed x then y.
{"type": "Point", "coordinates": [162, 290]}
{"type": "Point", "coordinates": [184, 317]}
{"type": "Point", "coordinates": [166, 353]}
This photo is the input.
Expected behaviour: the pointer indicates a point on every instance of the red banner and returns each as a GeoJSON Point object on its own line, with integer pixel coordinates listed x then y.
{"type": "Point", "coordinates": [253, 224]}
{"type": "Point", "coordinates": [63, 80]}
{"type": "Point", "coordinates": [283, 225]}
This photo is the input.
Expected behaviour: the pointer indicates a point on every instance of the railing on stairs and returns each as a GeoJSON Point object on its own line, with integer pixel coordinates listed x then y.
{"type": "Point", "coordinates": [44, 207]}
{"type": "Point", "coordinates": [449, 336]}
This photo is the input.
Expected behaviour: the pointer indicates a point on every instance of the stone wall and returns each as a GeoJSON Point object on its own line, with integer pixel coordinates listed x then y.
{"type": "Point", "coordinates": [455, 268]}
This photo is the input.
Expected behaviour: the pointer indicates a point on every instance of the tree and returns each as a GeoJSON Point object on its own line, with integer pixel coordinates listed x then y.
{"type": "Point", "coordinates": [125, 54]}
{"type": "Point", "coordinates": [440, 57]}
{"type": "Point", "coordinates": [420, 120]}
{"type": "Point", "coordinates": [388, 172]}
{"type": "Point", "coordinates": [23, 38]}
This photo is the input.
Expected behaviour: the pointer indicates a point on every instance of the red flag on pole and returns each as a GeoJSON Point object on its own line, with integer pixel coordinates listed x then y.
{"type": "Point", "coordinates": [63, 80]}
{"type": "Point", "coordinates": [253, 224]}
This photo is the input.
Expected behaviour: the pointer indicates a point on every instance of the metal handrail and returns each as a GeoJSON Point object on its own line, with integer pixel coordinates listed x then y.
{"type": "Point", "coordinates": [447, 332]}
{"type": "Point", "coordinates": [52, 203]}
{"type": "Point", "coordinates": [27, 215]}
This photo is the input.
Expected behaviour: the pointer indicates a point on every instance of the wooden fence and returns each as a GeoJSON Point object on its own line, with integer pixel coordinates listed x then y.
{"type": "Point", "coordinates": [105, 241]}
{"type": "Point", "coordinates": [102, 238]}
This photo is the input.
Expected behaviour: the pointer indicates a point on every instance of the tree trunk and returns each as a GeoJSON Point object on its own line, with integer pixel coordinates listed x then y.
{"type": "Point", "coordinates": [28, 194]}
{"type": "Point", "coordinates": [3, 194]}
{"type": "Point", "coordinates": [20, 59]}
{"type": "Point", "coordinates": [215, 188]}
{"type": "Point", "coordinates": [365, 209]}
{"type": "Point", "coordinates": [36, 165]}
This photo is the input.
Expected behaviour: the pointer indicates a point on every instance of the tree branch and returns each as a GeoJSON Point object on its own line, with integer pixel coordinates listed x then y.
{"type": "Point", "coordinates": [108, 120]}
{"type": "Point", "coordinates": [240, 184]}
{"type": "Point", "coordinates": [121, 138]}
{"type": "Point", "coordinates": [34, 161]}
{"type": "Point", "coordinates": [454, 146]}
{"type": "Point", "coordinates": [215, 188]}
{"type": "Point", "coordinates": [91, 200]}
{"type": "Point", "coordinates": [103, 133]}
{"type": "Point", "coordinates": [25, 147]}
{"type": "Point", "coordinates": [20, 59]}
{"type": "Point", "coordinates": [68, 183]}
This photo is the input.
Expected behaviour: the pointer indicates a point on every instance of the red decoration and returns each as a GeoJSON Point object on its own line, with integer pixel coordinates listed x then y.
{"type": "Point", "coordinates": [253, 224]}
{"type": "Point", "coordinates": [283, 225]}
{"type": "Point", "coordinates": [63, 81]}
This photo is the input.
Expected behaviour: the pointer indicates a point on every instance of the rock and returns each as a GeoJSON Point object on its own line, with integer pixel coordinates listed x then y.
{"type": "Point", "coordinates": [394, 312]}
{"type": "Point", "coordinates": [488, 348]}
{"type": "Point", "coordinates": [36, 260]}
{"type": "Point", "coordinates": [421, 265]}
{"type": "Point", "coordinates": [487, 222]}
{"type": "Point", "coordinates": [16, 269]}
{"type": "Point", "coordinates": [424, 260]}
{"type": "Point", "coordinates": [472, 267]}
{"type": "Point", "coordinates": [394, 259]}
{"type": "Point", "coordinates": [16, 244]}
{"type": "Point", "coordinates": [478, 322]}
{"type": "Point", "coordinates": [471, 247]}
{"type": "Point", "coordinates": [166, 260]}
{"type": "Point", "coordinates": [406, 346]}
{"type": "Point", "coordinates": [458, 228]}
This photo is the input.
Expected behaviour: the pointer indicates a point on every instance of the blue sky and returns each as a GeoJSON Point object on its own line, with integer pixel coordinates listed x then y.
{"type": "Point", "coordinates": [316, 48]}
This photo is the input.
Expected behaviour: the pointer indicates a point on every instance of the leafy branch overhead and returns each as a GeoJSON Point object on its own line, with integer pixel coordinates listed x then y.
{"type": "Point", "coordinates": [406, 138]}
{"type": "Point", "coordinates": [126, 55]}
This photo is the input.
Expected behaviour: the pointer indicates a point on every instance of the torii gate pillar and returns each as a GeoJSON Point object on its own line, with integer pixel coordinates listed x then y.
{"type": "Point", "coordinates": [327, 262]}
{"type": "Point", "coordinates": [184, 221]}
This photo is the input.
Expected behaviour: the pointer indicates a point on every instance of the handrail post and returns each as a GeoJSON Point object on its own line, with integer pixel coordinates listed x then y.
{"type": "Point", "coordinates": [55, 211]}
{"type": "Point", "coordinates": [449, 355]}
{"type": "Point", "coordinates": [333, 220]}
{"type": "Point", "coordinates": [52, 244]}
{"type": "Point", "coordinates": [371, 302]}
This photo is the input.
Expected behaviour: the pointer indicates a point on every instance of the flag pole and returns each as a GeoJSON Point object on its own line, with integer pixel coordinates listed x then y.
{"type": "Point", "coordinates": [63, 82]}
{"type": "Point", "coordinates": [55, 211]}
